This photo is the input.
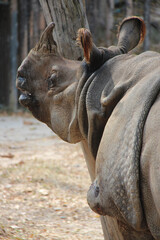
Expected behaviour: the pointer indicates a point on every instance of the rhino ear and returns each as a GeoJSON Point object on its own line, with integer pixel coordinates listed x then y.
{"type": "Point", "coordinates": [84, 40]}
{"type": "Point", "coordinates": [92, 54]}
{"type": "Point", "coordinates": [131, 32]}
{"type": "Point", "coordinates": [46, 43]}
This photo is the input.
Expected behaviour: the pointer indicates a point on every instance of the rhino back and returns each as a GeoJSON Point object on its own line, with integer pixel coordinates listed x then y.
{"type": "Point", "coordinates": [136, 84]}
{"type": "Point", "coordinates": [99, 94]}
{"type": "Point", "coordinates": [150, 169]}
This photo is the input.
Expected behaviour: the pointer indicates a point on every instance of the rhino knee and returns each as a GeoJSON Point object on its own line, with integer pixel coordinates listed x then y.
{"type": "Point", "coordinates": [93, 198]}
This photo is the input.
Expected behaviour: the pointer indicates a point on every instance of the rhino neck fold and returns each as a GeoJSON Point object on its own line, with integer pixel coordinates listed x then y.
{"type": "Point", "coordinates": [92, 110]}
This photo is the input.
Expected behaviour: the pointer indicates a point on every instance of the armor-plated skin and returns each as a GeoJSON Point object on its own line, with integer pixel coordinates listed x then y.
{"type": "Point", "coordinates": [109, 101]}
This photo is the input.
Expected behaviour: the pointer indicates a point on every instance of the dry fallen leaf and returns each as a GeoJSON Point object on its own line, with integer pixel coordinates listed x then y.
{"type": "Point", "coordinates": [44, 192]}
{"type": "Point", "coordinates": [8, 155]}
{"type": "Point", "coordinates": [15, 227]}
{"type": "Point", "coordinates": [28, 123]}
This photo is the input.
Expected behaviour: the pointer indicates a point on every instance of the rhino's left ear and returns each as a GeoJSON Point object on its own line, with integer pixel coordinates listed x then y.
{"type": "Point", "coordinates": [46, 43]}
{"type": "Point", "coordinates": [131, 32]}
{"type": "Point", "coordinates": [84, 40]}
{"type": "Point", "coordinates": [92, 54]}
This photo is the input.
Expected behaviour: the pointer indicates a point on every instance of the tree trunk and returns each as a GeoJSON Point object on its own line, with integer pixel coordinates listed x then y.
{"type": "Point", "coordinates": [129, 8]}
{"type": "Point", "coordinates": [109, 21]}
{"type": "Point", "coordinates": [96, 14]}
{"type": "Point", "coordinates": [91, 11]}
{"type": "Point", "coordinates": [31, 23]}
{"type": "Point", "coordinates": [34, 22]}
{"type": "Point", "coordinates": [69, 16]}
{"type": "Point", "coordinates": [147, 22]}
{"type": "Point", "coordinates": [12, 103]}
{"type": "Point", "coordinates": [23, 30]}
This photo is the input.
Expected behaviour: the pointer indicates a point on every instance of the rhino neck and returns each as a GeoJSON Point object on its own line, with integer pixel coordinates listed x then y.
{"type": "Point", "coordinates": [91, 118]}
{"type": "Point", "coordinates": [96, 97]}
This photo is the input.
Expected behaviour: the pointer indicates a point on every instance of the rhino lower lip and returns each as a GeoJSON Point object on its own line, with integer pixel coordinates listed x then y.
{"type": "Point", "coordinates": [25, 99]}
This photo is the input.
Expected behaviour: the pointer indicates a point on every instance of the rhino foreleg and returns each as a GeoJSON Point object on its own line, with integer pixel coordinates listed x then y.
{"type": "Point", "coordinates": [109, 225]}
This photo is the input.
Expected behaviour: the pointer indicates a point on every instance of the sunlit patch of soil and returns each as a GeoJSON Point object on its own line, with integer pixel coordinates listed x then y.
{"type": "Point", "coordinates": [43, 185]}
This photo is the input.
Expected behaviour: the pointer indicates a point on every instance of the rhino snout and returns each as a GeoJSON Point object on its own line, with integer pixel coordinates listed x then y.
{"type": "Point", "coordinates": [26, 97]}
{"type": "Point", "coordinates": [21, 83]}
{"type": "Point", "coordinates": [93, 198]}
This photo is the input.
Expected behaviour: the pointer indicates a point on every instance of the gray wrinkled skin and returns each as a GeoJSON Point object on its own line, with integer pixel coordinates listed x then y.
{"type": "Point", "coordinates": [113, 107]}
{"type": "Point", "coordinates": [120, 176]}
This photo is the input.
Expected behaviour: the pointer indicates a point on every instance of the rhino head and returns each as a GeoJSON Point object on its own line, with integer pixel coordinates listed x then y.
{"type": "Point", "coordinates": [49, 83]}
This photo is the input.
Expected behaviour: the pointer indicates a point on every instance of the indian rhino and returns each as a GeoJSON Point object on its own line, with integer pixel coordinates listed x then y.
{"type": "Point", "coordinates": [109, 102]}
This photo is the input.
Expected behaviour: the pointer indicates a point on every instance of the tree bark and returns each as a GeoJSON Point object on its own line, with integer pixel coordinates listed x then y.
{"type": "Point", "coordinates": [69, 16]}
{"type": "Point", "coordinates": [12, 103]}
{"type": "Point", "coordinates": [31, 23]}
{"type": "Point", "coordinates": [34, 22]}
{"type": "Point", "coordinates": [129, 8]}
{"type": "Point", "coordinates": [147, 22]}
{"type": "Point", "coordinates": [91, 10]}
{"type": "Point", "coordinates": [96, 14]}
{"type": "Point", "coordinates": [109, 21]}
{"type": "Point", "coordinates": [23, 31]}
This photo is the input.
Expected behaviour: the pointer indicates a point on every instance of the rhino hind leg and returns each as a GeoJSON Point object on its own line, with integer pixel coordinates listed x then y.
{"type": "Point", "coordinates": [130, 234]}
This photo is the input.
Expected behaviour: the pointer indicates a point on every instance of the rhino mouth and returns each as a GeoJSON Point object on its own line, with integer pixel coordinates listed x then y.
{"type": "Point", "coordinates": [26, 97]}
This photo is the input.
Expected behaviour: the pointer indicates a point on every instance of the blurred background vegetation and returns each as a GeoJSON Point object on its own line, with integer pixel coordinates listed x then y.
{"type": "Point", "coordinates": [22, 21]}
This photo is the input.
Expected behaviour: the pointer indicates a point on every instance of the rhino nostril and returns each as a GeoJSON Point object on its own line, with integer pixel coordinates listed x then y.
{"type": "Point", "coordinates": [96, 192]}
{"type": "Point", "coordinates": [21, 71]}
{"type": "Point", "coordinates": [21, 83]}
{"type": "Point", "coordinates": [22, 79]}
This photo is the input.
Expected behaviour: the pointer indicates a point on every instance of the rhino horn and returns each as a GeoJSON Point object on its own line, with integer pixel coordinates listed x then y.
{"type": "Point", "coordinates": [46, 43]}
{"type": "Point", "coordinates": [131, 32]}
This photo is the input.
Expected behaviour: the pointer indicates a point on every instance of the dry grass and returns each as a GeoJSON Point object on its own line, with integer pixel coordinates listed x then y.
{"type": "Point", "coordinates": [43, 190]}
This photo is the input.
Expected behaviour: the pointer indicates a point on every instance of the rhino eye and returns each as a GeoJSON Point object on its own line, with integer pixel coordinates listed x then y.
{"type": "Point", "coordinates": [52, 80]}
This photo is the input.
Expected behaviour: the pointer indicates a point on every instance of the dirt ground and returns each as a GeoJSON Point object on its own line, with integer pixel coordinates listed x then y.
{"type": "Point", "coordinates": [43, 185]}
